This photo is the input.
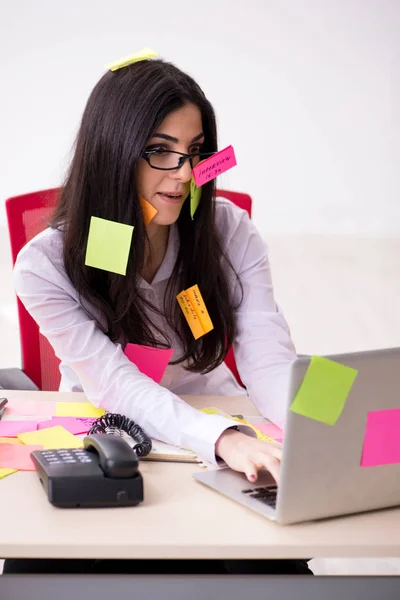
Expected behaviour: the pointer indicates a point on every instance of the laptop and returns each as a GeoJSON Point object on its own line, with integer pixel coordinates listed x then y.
{"type": "Point", "coordinates": [321, 474]}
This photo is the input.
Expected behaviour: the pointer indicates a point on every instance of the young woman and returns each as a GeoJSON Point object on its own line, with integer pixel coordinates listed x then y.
{"type": "Point", "coordinates": [144, 128]}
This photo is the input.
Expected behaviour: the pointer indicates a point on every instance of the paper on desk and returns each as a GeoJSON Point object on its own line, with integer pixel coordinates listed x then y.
{"type": "Point", "coordinates": [53, 437]}
{"type": "Point", "coordinates": [5, 472]}
{"type": "Point", "coordinates": [78, 409]}
{"type": "Point", "coordinates": [270, 430]}
{"type": "Point", "coordinates": [12, 428]}
{"type": "Point", "coordinates": [15, 456]}
{"type": "Point", "coordinates": [382, 438]}
{"type": "Point", "coordinates": [31, 408]}
{"type": "Point", "coordinates": [324, 390]}
{"type": "Point", "coordinates": [74, 425]}
{"type": "Point", "coordinates": [150, 361]}
{"type": "Point", "coordinates": [9, 440]}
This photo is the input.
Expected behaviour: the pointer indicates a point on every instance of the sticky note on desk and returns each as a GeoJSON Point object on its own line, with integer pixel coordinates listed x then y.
{"type": "Point", "coordinates": [150, 361]}
{"type": "Point", "coordinates": [9, 440]}
{"type": "Point", "coordinates": [5, 472]}
{"type": "Point", "coordinates": [12, 428]}
{"type": "Point", "coordinates": [382, 438]}
{"type": "Point", "coordinates": [53, 437]}
{"type": "Point", "coordinates": [108, 245]}
{"type": "Point", "coordinates": [78, 409]}
{"type": "Point", "coordinates": [30, 408]}
{"type": "Point", "coordinates": [209, 169]}
{"type": "Point", "coordinates": [74, 425]}
{"type": "Point", "coordinates": [14, 456]}
{"type": "Point", "coordinates": [324, 390]}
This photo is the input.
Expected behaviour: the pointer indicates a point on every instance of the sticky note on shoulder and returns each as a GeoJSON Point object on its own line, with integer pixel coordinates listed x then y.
{"type": "Point", "coordinates": [53, 437]}
{"type": "Point", "coordinates": [195, 311]}
{"type": "Point", "coordinates": [219, 163]}
{"type": "Point", "coordinates": [190, 315]}
{"type": "Point", "coordinates": [108, 245]}
{"type": "Point", "coordinates": [324, 390]}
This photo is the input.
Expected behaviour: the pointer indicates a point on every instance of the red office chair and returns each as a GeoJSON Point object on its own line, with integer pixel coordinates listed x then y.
{"type": "Point", "coordinates": [27, 216]}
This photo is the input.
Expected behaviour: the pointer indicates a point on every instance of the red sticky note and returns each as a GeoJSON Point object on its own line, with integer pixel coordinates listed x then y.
{"type": "Point", "coordinates": [209, 169]}
{"type": "Point", "coordinates": [271, 430]}
{"type": "Point", "coordinates": [72, 424]}
{"type": "Point", "coordinates": [150, 361]}
{"type": "Point", "coordinates": [17, 456]}
{"type": "Point", "coordinates": [382, 438]}
{"type": "Point", "coordinates": [13, 428]}
{"type": "Point", "coordinates": [34, 408]}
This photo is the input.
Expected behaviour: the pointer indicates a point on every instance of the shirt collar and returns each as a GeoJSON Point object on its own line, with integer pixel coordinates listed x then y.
{"type": "Point", "coordinates": [167, 266]}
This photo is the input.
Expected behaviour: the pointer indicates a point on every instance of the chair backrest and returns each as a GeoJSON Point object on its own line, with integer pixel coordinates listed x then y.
{"type": "Point", "coordinates": [27, 216]}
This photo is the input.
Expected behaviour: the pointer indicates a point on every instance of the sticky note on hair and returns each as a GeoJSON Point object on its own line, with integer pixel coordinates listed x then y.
{"type": "Point", "coordinates": [53, 437]}
{"type": "Point", "coordinates": [143, 54]}
{"type": "Point", "coordinates": [382, 440]}
{"type": "Point", "coordinates": [150, 361]}
{"type": "Point", "coordinates": [219, 163]}
{"type": "Point", "coordinates": [195, 197]}
{"type": "Point", "coordinates": [78, 409]}
{"type": "Point", "coordinates": [324, 390]}
{"type": "Point", "coordinates": [108, 245]}
{"type": "Point", "coordinates": [195, 311]}
{"type": "Point", "coordinates": [148, 210]}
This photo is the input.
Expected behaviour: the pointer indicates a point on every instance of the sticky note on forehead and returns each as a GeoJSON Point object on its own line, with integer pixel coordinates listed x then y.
{"type": "Point", "coordinates": [108, 245]}
{"type": "Point", "coordinates": [143, 54]}
{"type": "Point", "coordinates": [324, 390]}
{"type": "Point", "coordinates": [219, 163]}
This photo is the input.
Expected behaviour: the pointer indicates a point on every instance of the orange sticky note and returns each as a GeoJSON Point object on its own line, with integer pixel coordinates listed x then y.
{"type": "Point", "coordinates": [197, 302]}
{"type": "Point", "coordinates": [149, 212]}
{"type": "Point", "coordinates": [190, 315]}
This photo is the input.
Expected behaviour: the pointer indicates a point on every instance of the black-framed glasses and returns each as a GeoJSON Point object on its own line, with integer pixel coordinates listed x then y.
{"type": "Point", "coordinates": [169, 160]}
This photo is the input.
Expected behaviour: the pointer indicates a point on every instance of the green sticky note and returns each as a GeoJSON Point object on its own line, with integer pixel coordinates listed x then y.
{"type": "Point", "coordinates": [195, 196]}
{"type": "Point", "coordinates": [108, 245]}
{"type": "Point", "coordinates": [324, 390]}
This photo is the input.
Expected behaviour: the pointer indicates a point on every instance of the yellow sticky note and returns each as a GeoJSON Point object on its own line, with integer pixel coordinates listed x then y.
{"type": "Point", "coordinates": [7, 440]}
{"type": "Point", "coordinates": [149, 212]}
{"type": "Point", "coordinates": [108, 245]}
{"type": "Point", "coordinates": [143, 54]}
{"type": "Point", "coordinates": [195, 197]}
{"type": "Point", "coordinates": [4, 472]}
{"type": "Point", "coordinates": [197, 302]}
{"type": "Point", "coordinates": [324, 390]}
{"type": "Point", "coordinates": [190, 315]}
{"type": "Point", "coordinates": [78, 409]}
{"type": "Point", "coordinates": [52, 437]}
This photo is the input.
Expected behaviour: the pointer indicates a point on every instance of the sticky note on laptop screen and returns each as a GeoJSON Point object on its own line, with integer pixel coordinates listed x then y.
{"type": "Point", "coordinates": [108, 245]}
{"type": "Point", "coordinates": [324, 390]}
{"type": "Point", "coordinates": [382, 438]}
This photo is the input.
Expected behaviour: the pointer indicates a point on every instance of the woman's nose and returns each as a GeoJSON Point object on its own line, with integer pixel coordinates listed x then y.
{"type": "Point", "coordinates": [184, 173]}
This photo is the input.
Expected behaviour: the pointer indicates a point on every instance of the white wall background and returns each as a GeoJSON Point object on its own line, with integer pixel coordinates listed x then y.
{"type": "Point", "coordinates": [307, 91]}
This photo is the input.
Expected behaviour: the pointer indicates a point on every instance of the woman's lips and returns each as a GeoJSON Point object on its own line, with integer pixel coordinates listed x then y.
{"type": "Point", "coordinates": [171, 199]}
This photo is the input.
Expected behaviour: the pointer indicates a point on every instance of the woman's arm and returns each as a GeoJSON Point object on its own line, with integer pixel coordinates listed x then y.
{"type": "Point", "coordinates": [107, 376]}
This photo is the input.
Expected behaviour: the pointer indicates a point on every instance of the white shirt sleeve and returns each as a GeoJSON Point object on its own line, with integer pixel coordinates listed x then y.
{"type": "Point", "coordinates": [264, 350]}
{"type": "Point", "coordinates": [107, 376]}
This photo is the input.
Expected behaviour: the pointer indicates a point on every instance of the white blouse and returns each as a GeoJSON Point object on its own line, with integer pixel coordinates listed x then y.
{"type": "Point", "coordinates": [92, 363]}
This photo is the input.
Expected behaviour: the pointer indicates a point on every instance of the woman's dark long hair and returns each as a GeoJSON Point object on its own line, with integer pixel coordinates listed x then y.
{"type": "Point", "coordinates": [122, 113]}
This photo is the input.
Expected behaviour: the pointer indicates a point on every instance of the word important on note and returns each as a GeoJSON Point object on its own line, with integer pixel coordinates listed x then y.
{"type": "Point", "coordinates": [210, 168]}
{"type": "Point", "coordinates": [382, 438]}
{"type": "Point", "coordinates": [108, 245]}
{"type": "Point", "coordinates": [324, 390]}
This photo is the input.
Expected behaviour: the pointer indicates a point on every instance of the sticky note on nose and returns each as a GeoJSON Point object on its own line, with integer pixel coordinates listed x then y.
{"type": "Point", "coordinates": [108, 245]}
{"type": "Point", "coordinates": [324, 390]}
{"type": "Point", "coordinates": [217, 164]}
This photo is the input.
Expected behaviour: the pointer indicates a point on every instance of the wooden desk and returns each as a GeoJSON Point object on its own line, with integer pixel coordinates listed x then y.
{"type": "Point", "coordinates": [179, 518]}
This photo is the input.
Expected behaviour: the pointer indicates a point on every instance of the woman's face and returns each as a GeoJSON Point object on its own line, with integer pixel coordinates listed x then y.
{"type": "Point", "coordinates": [181, 131]}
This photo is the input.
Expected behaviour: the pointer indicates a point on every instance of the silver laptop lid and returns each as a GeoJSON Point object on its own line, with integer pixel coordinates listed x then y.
{"type": "Point", "coordinates": [320, 473]}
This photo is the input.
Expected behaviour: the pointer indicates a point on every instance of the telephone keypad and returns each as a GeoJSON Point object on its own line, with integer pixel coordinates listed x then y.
{"type": "Point", "coordinates": [70, 456]}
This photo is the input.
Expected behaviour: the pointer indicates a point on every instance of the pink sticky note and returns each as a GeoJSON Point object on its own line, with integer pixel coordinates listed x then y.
{"type": "Point", "coordinates": [271, 430]}
{"type": "Point", "coordinates": [217, 164]}
{"type": "Point", "coordinates": [13, 428]}
{"type": "Point", "coordinates": [150, 361]}
{"type": "Point", "coordinates": [71, 424]}
{"type": "Point", "coordinates": [382, 438]}
{"type": "Point", "coordinates": [17, 456]}
{"type": "Point", "coordinates": [34, 408]}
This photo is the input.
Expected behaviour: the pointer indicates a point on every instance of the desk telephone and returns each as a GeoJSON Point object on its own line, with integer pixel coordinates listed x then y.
{"type": "Point", "coordinates": [103, 473]}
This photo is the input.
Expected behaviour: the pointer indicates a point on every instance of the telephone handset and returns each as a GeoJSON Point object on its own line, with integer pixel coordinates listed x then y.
{"type": "Point", "coordinates": [103, 473]}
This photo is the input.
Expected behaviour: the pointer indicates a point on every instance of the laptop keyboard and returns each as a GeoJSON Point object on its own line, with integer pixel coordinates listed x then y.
{"type": "Point", "coordinates": [266, 494]}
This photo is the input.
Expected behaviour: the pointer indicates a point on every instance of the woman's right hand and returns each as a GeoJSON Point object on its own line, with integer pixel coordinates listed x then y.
{"type": "Point", "coordinates": [248, 455]}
